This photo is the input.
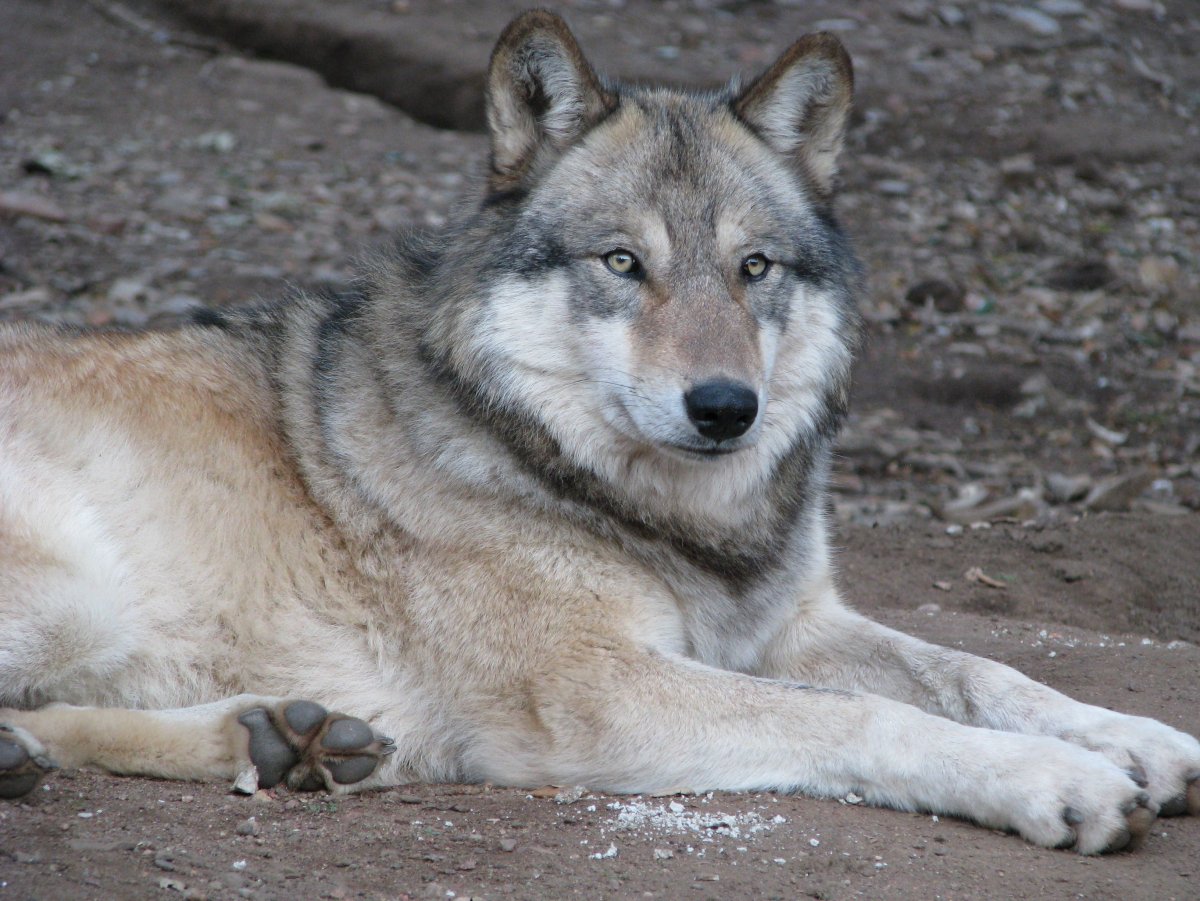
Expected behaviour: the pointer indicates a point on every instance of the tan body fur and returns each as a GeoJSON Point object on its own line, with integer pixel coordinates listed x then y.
{"type": "Point", "coordinates": [474, 512]}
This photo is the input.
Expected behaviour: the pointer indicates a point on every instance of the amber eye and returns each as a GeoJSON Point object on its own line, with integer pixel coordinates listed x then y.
{"type": "Point", "coordinates": [622, 262]}
{"type": "Point", "coordinates": [755, 266]}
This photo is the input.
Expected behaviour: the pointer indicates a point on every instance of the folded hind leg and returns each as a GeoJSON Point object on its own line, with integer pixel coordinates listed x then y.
{"type": "Point", "coordinates": [257, 741]}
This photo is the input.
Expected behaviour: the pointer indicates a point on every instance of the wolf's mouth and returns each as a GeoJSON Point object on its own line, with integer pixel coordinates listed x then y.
{"type": "Point", "coordinates": [693, 452]}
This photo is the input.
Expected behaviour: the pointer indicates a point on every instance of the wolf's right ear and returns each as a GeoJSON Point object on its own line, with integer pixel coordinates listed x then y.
{"type": "Point", "coordinates": [801, 104]}
{"type": "Point", "coordinates": [541, 92]}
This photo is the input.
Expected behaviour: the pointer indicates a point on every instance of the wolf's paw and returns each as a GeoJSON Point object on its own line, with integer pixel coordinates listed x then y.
{"type": "Point", "coordinates": [23, 762]}
{"type": "Point", "coordinates": [302, 743]}
{"type": "Point", "coordinates": [1078, 799]}
{"type": "Point", "coordinates": [1163, 760]}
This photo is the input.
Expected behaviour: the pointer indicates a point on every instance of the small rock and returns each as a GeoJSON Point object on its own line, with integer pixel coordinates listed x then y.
{"type": "Point", "coordinates": [917, 12]}
{"type": "Point", "coordinates": [1033, 21]}
{"type": "Point", "coordinates": [248, 826]}
{"type": "Point", "coordinates": [1117, 493]}
{"type": "Point", "coordinates": [1137, 6]}
{"type": "Point", "coordinates": [508, 844]}
{"type": "Point", "coordinates": [1063, 9]}
{"type": "Point", "coordinates": [52, 163]}
{"type": "Point", "coordinates": [1158, 272]}
{"type": "Point", "coordinates": [946, 297]}
{"type": "Point", "coordinates": [1072, 570]}
{"type": "Point", "coordinates": [1108, 436]}
{"type": "Point", "coordinates": [467, 865]}
{"type": "Point", "coordinates": [569, 795]}
{"type": "Point", "coordinates": [216, 141]}
{"type": "Point", "coordinates": [1080, 275]}
{"type": "Point", "coordinates": [20, 203]}
{"type": "Point", "coordinates": [246, 782]}
{"type": "Point", "coordinates": [605, 855]}
{"type": "Point", "coordinates": [951, 16]}
{"type": "Point", "coordinates": [835, 25]}
{"type": "Point", "coordinates": [1019, 169]}
{"type": "Point", "coordinates": [1064, 489]}
{"type": "Point", "coordinates": [893, 187]}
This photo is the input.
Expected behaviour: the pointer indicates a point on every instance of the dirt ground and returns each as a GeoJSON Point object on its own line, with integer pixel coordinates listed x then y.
{"type": "Point", "coordinates": [1020, 477]}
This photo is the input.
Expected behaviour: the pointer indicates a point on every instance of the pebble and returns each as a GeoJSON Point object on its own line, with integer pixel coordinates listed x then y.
{"type": "Point", "coordinates": [1080, 275]}
{"type": "Point", "coordinates": [1064, 489]}
{"type": "Point", "coordinates": [249, 826]}
{"type": "Point", "coordinates": [20, 203]}
{"type": "Point", "coordinates": [1035, 22]}
{"type": "Point", "coordinates": [1117, 493]}
{"type": "Point", "coordinates": [893, 187]}
{"type": "Point", "coordinates": [1063, 9]}
{"type": "Point", "coordinates": [508, 844]}
{"type": "Point", "coordinates": [945, 296]}
{"type": "Point", "coordinates": [951, 16]}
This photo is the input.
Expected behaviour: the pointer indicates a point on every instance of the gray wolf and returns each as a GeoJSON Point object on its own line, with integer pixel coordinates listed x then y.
{"type": "Point", "coordinates": [541, 502]}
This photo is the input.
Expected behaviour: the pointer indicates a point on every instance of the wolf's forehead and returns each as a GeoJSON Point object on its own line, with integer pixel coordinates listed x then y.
{"type": "Point", "coordinates": [689, 157]}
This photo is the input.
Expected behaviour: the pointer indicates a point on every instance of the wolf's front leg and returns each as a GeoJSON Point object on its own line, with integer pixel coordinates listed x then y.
{"type": "Point", "coordinates": [622, 720]}
{"type": "Point", "coordinates": [258, 741]}
{"type": "Point", "coordinates": [826, 644]}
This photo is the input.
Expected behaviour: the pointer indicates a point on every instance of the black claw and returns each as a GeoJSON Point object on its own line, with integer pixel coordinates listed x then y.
{"type": "Point", "coordinates": [347, 735]}
{"type": "Point", "coordinates": [304, 716]}
{"type": "Point", "coordinates": [270, 753]}
{"type": "Point", "coordinates": [349, 770]}
{"type": "Point", "coordinates": [1175, 807]}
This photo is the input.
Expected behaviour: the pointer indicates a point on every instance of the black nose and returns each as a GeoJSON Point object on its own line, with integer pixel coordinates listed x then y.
{"type": "Point", "coordinates": [721, 410]}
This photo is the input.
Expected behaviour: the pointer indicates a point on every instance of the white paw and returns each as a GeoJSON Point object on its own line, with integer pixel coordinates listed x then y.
{"type": "Point", "coordinates": [1164, 761]}
{"type": "Point", "coordinates": [1061, 796]}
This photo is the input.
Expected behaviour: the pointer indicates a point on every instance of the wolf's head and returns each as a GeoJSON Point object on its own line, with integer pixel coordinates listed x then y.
{"type": "Point", "coordinates": [661, 275]}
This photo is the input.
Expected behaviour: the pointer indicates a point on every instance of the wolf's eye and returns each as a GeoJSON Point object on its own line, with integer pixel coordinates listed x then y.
{"type": "Point", "coordinates": [622, 262]}
{"type": "Point", "coordinates": [755, 266]}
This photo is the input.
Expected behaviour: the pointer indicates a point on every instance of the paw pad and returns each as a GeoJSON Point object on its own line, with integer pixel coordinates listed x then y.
{"type": "Point", "coordinates": [302, 743]}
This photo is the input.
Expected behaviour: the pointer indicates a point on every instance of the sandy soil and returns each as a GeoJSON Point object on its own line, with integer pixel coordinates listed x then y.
{"type": "Point", "coordinates": [1045, 173]}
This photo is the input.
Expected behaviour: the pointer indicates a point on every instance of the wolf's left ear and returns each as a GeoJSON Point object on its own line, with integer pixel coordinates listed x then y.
{"type": "Point", "coordinates": [800, 105]}
{"type": "Point", "coordinates": [541, 93]}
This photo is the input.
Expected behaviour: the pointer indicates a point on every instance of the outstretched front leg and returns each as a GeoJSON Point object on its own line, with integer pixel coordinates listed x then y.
{"type": "Point", "coordinates": [259, 742]}
{"type": "Point", "coordinates": [826, 644]}
{"type": "Point", "coordinates": [618, 718]}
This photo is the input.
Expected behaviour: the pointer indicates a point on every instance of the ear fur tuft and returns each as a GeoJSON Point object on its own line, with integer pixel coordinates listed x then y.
{"type": "Point", "coordinates": [541, 94]}
{"type": "Point", "coordinates": [801, 104]}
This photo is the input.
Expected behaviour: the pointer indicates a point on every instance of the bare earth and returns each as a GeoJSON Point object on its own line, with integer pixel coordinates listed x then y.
{"type": "Point", "coordinates": [1019, 479]}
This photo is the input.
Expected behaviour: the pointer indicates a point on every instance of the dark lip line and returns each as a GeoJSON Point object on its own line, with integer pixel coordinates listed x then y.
{"type": "Point", "coordinates": [711, 452]}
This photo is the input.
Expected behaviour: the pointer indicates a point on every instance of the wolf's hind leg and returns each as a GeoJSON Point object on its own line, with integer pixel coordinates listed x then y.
{"type": "Point", "coordinates": [255, 740]}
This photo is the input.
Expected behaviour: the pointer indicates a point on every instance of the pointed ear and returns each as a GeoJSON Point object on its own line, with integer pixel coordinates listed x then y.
{"type": "Point", "coordinates": [800, 105]}
{"type": "Point", "coordinates": [541, 93]}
